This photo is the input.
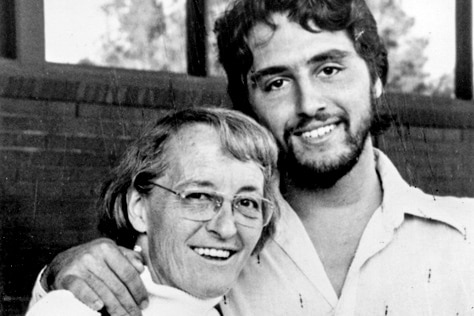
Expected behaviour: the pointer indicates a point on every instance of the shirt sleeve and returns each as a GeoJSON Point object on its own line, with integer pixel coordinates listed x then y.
{"type": "Point", "coordinates": [38, 291]}
{"type": "Point", "coordinates": [60, 303]}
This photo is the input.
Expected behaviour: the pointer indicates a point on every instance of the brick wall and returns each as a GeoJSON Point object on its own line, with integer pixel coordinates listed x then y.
{"type": "Point", "coordinates": [61, 129]}
{"type": "Point", "coordinates": [438, 160]}
{"type": "Point", "coordinates": [432, 143]}
{"type": "Point", "coordinates": [60, 133]}
{"type": "Point", "coordinates": [52, 156]}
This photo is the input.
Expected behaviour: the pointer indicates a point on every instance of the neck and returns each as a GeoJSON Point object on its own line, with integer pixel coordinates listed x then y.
{"type": "Point", "coordinates": [167, 300]}
{"type": "Point", "coordinates": [335, 218]}
{"type": "Point", "coordinates": [360, 188]}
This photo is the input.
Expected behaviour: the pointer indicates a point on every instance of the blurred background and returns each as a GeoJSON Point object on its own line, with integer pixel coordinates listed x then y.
{"type": "Point", "coordinates": [151, 35]}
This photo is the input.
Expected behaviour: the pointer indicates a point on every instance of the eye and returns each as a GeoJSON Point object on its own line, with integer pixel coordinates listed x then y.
{"type": "Point", "coordinates": [329, 71]}
{"type": "Point", "coordinates": [248, 203]}
{"type": "Point", "coordinates": [197, 196]}
{"type": "Point", "coordinates": [275, 85]}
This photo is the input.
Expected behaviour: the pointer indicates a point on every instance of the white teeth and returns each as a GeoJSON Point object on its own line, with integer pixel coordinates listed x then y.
{"type": "Point", "coordinates": [319, 132]}
{"type": "Point", "coordinates": [212, 252]}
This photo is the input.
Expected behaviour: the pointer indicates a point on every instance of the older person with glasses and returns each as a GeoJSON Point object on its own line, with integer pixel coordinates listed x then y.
{"type": "Point", "coordinates": [196, 195]}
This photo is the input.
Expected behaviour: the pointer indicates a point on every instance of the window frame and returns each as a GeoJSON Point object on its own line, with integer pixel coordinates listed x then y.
{"type": "Point", "coordinates": [23, 22]}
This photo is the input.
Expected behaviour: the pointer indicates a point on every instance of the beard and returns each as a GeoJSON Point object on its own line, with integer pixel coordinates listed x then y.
{"type": "Point", "coordinates": [315, 175]}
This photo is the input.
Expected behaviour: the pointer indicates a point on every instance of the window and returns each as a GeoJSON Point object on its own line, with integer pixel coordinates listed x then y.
{"type": "Point", "coordinates": [147, 35]}
{"type": "Point", "coordinates": [420, 36]}
{"type": "Point", "coordinates": [421, 45]}
{"type": "Point", "coordinates": [136, 34]}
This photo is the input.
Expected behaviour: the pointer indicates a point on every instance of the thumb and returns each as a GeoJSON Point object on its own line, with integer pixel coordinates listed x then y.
{"type": "Point", "coordinates": [135, 257]}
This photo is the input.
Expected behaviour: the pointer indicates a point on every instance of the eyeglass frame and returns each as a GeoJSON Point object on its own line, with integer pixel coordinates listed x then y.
{"type": "Point", "coordinates": [218, 202]}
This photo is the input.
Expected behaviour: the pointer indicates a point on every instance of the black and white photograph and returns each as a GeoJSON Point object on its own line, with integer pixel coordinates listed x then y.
{"type": "Point", "coordinates": [236, 158]}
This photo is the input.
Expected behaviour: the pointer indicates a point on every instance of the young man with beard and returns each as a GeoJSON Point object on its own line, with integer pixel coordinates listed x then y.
{"type": "Point", "coordinates": [354, 239]}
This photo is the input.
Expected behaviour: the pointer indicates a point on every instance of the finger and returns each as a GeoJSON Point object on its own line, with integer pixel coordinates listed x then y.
{"type": "Point", "coordinates": [135, 258]}
{"type": "Point", "coordinates": [83, 292]}
{"type": "Point", "coordinates": [97, 278]}
{"type": "Point", "coordinates": [112, 289]}
{"type": "Point", "coordinates": [129, 276]}
{"type": "Point", "coordinates": [112, 303]}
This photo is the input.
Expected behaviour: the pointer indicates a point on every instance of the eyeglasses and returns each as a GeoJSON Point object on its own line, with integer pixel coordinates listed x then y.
{"type": "Point", "coordinates": [248, 209]}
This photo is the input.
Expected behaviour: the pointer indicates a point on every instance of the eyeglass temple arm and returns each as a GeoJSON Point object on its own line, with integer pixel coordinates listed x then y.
{"type": "Point", "coordinates": [164, 188]}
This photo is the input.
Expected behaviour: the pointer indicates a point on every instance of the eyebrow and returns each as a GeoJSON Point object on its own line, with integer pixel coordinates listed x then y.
{"type": "Point", "coordinates": [248, 188]}
{"type": "Point", "coordinates": [201, 183]}
{"type": "Point", "coordinates": [333, 54]}
{"type": "Point", "coordinates": [210, 185]}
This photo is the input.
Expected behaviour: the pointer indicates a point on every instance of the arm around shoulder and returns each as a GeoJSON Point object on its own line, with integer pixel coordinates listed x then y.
{"type": "Point", "coordinates": [99, 274]}
{"type": "Point", "coordinates": [60, 303]}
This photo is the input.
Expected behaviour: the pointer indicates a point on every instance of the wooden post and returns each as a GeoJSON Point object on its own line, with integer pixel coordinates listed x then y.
{"type": "Point", "coordinates": [30, 38]}
{"type": "Point", "coordinates": [7, 29]}
{"type": "Point", "coordinates": [463, 72]}
{"type": "Point", "coordinates": [196, 37]}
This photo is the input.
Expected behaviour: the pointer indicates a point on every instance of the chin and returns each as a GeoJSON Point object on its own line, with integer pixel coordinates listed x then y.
{"type": "Point", "coordinates": [321, 174]}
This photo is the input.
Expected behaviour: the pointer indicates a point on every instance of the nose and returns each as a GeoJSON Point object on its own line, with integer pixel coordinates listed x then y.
{"type": "Point", "coordinates": [309, 98]}
{"type": "Point", "coordinates": [223, 223]}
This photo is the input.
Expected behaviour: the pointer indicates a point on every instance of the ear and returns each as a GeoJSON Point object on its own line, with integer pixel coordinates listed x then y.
{"type": "Point", "coordinates": [378, 88]}
{"type": "Point", "coordinates": [137, 214]}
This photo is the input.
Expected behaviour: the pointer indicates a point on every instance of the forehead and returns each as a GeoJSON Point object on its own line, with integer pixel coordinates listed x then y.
{"type": "Point", "coordinates": [290, 43]}
{"type": "Point", "coordinates": [200, 139]}
{"type": "Point", "coordinates": [196, 153]}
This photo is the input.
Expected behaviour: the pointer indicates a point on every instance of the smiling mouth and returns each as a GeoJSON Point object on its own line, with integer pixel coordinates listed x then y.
{"type": "Point", "coordinates": [318, 132]}
{"type": "Point", "coordinates": [214, 253]}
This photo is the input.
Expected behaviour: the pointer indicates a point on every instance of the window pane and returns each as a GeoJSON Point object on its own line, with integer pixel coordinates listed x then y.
{"type": "Point", "coordinates": [150, 34]}
{"type": "Point", "coordinates": [421, 42]}
{"type": "Point", "coordinates": [137, 34]}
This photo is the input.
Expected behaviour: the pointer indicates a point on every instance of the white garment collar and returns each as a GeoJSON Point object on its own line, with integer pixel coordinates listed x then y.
{"type": "Point", "coordinates": [399, 198]}
{"type": "Point", "coordinates": [166, 300]}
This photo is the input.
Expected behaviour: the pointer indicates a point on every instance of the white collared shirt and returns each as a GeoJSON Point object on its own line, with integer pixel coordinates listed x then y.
{"type": "Point", "coordinates": [163, 301]}
{"type": "Point", "coordinates": [416, 257]}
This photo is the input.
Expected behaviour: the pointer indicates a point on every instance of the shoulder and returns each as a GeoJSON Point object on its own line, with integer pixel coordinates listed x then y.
{"type": "Point", "coordinates": [59, 303]}
{"type": "Point", "coordinates": [458, 206]}
{"type": "Point", "coordinates": [455, 211]}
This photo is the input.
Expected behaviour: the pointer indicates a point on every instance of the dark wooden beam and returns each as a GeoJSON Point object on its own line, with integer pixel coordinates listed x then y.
{"type": "Point", "coordinates": [463, 72]}
{"type": "Point", "coordinates": [7, 29]}
{"type": "Point", "coordinates": [30, 31]}
{"type": "Point", "coordinates": [196, 37]}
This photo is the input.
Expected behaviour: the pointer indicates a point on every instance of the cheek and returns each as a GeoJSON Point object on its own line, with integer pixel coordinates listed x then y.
{"type": "Point", "coordinates": [266, 110]}
{"type": "Point", "coordinates": [274, 118]}
{"type": "Point", "coordinates": [169, 253]}
{"type": "Point", "coordinates": [363, 111]}
{"type": "Point", "coordinates": [250, 238]}
{"type": "Point", "coordinates": [166, 235]}
{"type": "Point", "coordinates": [159, 234]}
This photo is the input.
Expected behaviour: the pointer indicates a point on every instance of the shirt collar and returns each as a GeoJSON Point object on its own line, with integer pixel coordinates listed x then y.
{"type": "Point", "coordinates": [400, 199]}
{"type": "Point", "coordinates": [164, 297]}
